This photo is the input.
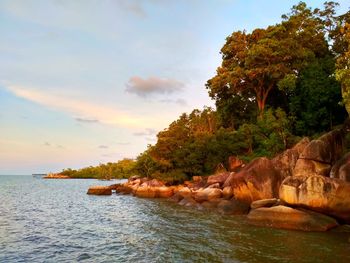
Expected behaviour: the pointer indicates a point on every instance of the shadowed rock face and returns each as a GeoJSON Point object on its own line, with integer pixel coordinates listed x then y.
{"type": "Point", "coordinates": [233, 207]}
{"type": "Point", "coordinates": [341, 169]}
{"type": "Point", "coordinates": [290, 218]}
{"type": "Point", "coordinates": [258, 180]}
{"type": "Point", "coordinates": [326, 195]}
{"type": "Point", "coordinates": [218, 178]}
{"type": "Point", "coordinates": [285, 162]}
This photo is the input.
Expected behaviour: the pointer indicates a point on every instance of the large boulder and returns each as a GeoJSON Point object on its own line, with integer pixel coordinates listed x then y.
{"type": "Point", "coordinates": [146, 192]}
{"type": "Point", "coordinates": [227, 192]}
{"type": "Point", "coordinates": [207, 194]}
{"type": "Point", "coordinates": [290, 218]}
{"type": "Point", "coordinates": [164, 191]}
{"type": "Point", "coordinates": [341, 169]}
{"type": "Point", "coordinates": [285, 162]}
{"type": "Point", "coordinates": [317, 150]}
{"type": "Point", "coordinates": [233, 207]}
{"type": "Point", "coordinates": [335, 141]}
{"type": "Point", "coordinates": [257, 180]}
{"type": "Point", "coordinates": [305, 167]}
{"type": "Point", "coordinates": [99, 190]}
{"type": "Point", "coordinates": [218, 178]}
{"type": "Point", "coordinates": [322, 194]}
{"type": "Point", "coordinates": [153, 182]}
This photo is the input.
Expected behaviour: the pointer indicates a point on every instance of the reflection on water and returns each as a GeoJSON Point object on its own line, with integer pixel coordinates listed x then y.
{"type": "Point", "coordinates": [55, 221]}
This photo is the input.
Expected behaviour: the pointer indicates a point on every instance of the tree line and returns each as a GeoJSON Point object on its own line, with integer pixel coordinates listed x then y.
{"type": "Point", "coordinates": [274, 85]}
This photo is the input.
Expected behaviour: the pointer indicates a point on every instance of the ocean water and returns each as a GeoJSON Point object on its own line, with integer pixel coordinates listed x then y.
{"type": "Point", "coordinates": [56, 221]}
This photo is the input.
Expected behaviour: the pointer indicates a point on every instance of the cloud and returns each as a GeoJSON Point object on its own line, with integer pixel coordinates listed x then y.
{"type": "Point", "coordinates": [153, 85]}
{"type": "Point", "coordinates": [87, 120]}
{"type": "Point", "coordinates": [180, 102]}
{"type": "Point", "coordinates": [47, 144]}
{"type": "Point", "coordinates": [103, 147]}
{"type": "Point", "coordinates": [147, 132]}
{"type": "Point", "coordinates": [85, 110]}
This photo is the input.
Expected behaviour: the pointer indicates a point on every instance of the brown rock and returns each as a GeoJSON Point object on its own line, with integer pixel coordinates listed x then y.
{"type": "Point", "coordinates": [341, 169]}
{"type": "Point", "coordinates": [227, 192]}
{"type": "Point", "coordinates": [322, 194]}
{"type": "Point", "coordinates": [99, 190]}
{"type": "Point", "coordinates": [153, 182]}
{"type": "Point", "coordinates": [188, 201]}
{"type": "Point", "coordinates": [123, 189]}
{"type": "Point", "coordinates": [216, 185]}
{"type": "Point", "coordinates": [146, 192]}
{"type": "Point", "coordinates": [306, 167]}
{"type": "Point", "coordinates": [233, 207]}
{"type": "Point", "coordinates": [257, 180]}
{"type": "Point", "coordinates": [185, 192]}
{"type": "Point", "coordinates": [234, 163]}
{"type": "Point", "coordinates": [285, 162]}
{"type": "Point", "coordinates": [207, 194]}
{"type": "Point", "coordinates": [335, 141]}
{"type": "Point", "coordinates": [264, 203]}
{"type": "Point", "coordinates": [164, 192]}
{"type": "Point", "coordinates": [218, 178]}
{"type": "Point", "coordinates": [317, 150]}
{"type": "Point", "coordinates": [290, 218]}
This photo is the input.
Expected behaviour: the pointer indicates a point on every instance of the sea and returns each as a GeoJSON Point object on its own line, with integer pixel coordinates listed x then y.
{"type": "Point", "coordinates": [56, 221]}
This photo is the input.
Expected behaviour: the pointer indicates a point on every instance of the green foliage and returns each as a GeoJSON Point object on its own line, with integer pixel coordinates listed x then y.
{"type": "Point", "coordinates": [121, 169]}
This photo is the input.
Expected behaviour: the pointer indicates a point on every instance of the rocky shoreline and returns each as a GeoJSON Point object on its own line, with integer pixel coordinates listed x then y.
{"type": "Point", "coordinates": [304, 188]}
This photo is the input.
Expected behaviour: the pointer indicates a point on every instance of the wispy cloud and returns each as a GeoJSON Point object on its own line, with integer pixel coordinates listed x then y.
{"type": "Point", "coordinates": [147, 132]}
{"type": "Point", "coordinates": [103, 147]}
{"type": "Point", "coordinates": [180, 102]}
{"type": "Point", "coordinates": [153, 85]}
{"type": "Point", "coordinates": [86, 111]}
{"type": "Point", "coordinates": [87, 120]}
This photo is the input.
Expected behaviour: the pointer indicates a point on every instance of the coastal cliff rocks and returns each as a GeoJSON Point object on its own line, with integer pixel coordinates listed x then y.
{"type": "Point", "coordinates": [290, 218]}
{"type": "Point", "coordinates": [233, 207]}
{"type": "Point", "coordinates": [326, 195]}
{"type": "Point", "coordinates": [341, 169]}
{"type": "Point", "coordinates": [235, 164]}
{"type": "Point", "coordinates": [264, 203]}
{"type": "Point", "coordinates": [99, 190]}
{"type": "Point", "coordinates": [257, 180]}
{"type": "Point", "coordinates": [207, 194]}
{"type": "Point", "coordinates": [285, 162]}
{"type": "Point", "coordinates": [218, 178]}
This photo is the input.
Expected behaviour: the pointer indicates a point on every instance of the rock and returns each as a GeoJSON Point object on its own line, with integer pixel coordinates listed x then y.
{"type": "Point", "coordinates": [341, 169]}
{"type": "Point", "coordinates": [227, 192]}
{"type": "Point", "coordinates": [335, 141]}
{"type": "Point", "coordinates": [317, 150]}
{"type": "Point", "coordinates": [56, 176]}
{"type": "Point", "coordinates": [264, 203]}
{"type": "Point", "coordinates": [342, 229]}
{"type": "Point", "coordinates": [146, 192]}
{"type": "Point", "coordinates": [322, 194]}
{"type": "Point", "coordinates": [153, 182]}
{"type": "Point", "coordinates": [290, 218]}
{"type": "Point", "coordinates": [285, 162]}
{"type": "Point", "coordinates": [133, 178]}
{"type": "Point", "coordinates": [164, 192]}
{"type": "Point", "coordinates": [218, 178]}
{"type": "Point", "coordinates": [305, 167]}
{"type": "Point", "coordinates": [233, 207]}
{"type": "Point", "coordinates": [234, 163]}
{"type": "Point", "coordinates": [185, 192]}
{"type": "Point", "coordinates": [99, 190]}
{"type": "Point", "coordinates": [188, 201]}
{"type": "Point", "coordinates": [257, 180]}
{"type": "Point", "coordinates": [212, 204]}
{"type": "Point", "coordinates": [176, 198]}
{"type": "Point", "coordinates": [197, 179]}
{"type": "Point", "coordinates": [124, 189]}
{"type": "Point", "coordinates": [216, 185]}
{"type": "Point", "coordinates": [207, 194]}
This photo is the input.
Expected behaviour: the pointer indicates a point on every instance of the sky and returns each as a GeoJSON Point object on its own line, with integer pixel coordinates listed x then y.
{"type": "Point", "coordinates": [84, 82]}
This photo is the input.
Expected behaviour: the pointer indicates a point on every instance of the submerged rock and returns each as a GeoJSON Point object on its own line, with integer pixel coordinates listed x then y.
{"type": "Point", "coordinates": [326, 195]}
{"type": "Point", "coordinates": [99, 190]}
{"type": "Point", "coordinates": [233, 207]}
{"type": "Point", "coordinates": [290, 218]}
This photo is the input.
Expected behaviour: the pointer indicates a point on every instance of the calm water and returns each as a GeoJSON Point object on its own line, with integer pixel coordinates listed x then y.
{"type": "Point", "coordinates": [55, 221]}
